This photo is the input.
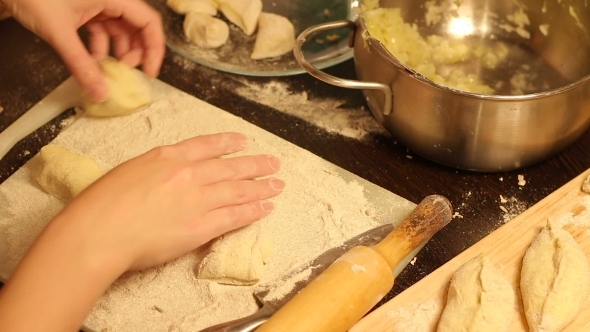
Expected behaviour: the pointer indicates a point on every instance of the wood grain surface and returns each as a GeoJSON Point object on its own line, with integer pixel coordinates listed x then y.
{"type": "Point", "coordinates": [505, 248]}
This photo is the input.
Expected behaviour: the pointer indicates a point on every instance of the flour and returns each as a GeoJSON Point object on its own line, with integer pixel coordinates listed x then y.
{"type": "Point", "coordinates": [579, 217]}
{"type": "Point", "coordinates": [511, 207]}
{"type": "Point", "coordinates": [317, 210]}
{"type": "Point", "coordinates": [422, 317]}
{"type": "Point", "coordinates": [328, 114]}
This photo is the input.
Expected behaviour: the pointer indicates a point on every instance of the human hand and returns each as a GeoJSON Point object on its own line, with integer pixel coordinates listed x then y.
{"type": "Point", "coordinates": [134, 27]}
{"type": "Point", "coordinates": [172, 199]}
{"type": "Point", "coordinates": [146, 211]}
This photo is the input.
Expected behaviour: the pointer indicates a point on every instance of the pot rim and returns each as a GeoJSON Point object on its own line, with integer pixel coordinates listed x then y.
{"type": "Point", "coordinates": [373, 42]}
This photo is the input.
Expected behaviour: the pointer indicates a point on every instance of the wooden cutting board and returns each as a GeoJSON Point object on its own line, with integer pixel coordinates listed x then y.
{"type": "Point", "coordinates": [418, 308]}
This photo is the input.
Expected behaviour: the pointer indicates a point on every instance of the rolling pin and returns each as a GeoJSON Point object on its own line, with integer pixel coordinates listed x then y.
{"type": "Point", "coordinates": [341, 295]}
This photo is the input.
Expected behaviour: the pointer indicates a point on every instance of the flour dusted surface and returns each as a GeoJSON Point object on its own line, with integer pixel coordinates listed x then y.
{"type": "Point", "coordinates": [317, 210]}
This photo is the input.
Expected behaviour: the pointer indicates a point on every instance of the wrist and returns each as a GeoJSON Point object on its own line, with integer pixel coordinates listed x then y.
{"type": "Point", "coordinates": [58, 281]}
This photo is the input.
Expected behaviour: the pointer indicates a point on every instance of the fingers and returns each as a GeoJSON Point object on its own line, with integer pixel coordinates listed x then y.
{"type": "Point", "coordinates": [99, 40]}
{"type": "Point", "coordinates": [237, 168]}
{"type": "Point", "coordinates": [80, 63]}
{"type": "Point", "coordinates": [229, 218]}
{"type": "Point", "coordinates": [149, 27]}
{"type": "Point", "coordinates": [232, 193]}
{"type": "Point", "coordinates": [206, 147]}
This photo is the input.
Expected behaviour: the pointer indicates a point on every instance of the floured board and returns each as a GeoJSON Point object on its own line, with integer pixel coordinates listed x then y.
{"type": "Point", "coordinates": [321, 206]}
{"type": "Point", "coordinates": [418, 308]}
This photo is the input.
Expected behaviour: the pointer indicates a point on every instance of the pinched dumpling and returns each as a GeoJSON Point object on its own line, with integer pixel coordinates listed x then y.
{"type": "Point", "coordinates": [184, 7]}
{"type": "Point", "coordinates": [276, 36]}
{"type": "Point", "coordinates": [205, 31]}
{"type": "Point", "coordinates": [243, 13]}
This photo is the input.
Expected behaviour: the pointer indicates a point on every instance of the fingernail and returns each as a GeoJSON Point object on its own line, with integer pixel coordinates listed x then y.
{"type": "Point", "coordinates": [277, 185]}
{"type": "Point", "coordinates": [244, 142]}
{"type": "Point", "coordinates": [274, 163]}
{"type": "Point", "coordinates": [266, 206]}
{"type": "Point", "coordinates": [98, 92]}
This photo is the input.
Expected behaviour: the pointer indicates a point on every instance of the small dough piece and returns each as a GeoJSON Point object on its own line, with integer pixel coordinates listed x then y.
{"type": "Point", "coordinates": [205, 31]}
{"type": "Point", "coordinates": [128, 91]}
{"type": "Point", "coordinates": [183, 7]}
{"type": "Point", "coordinates": [586, 185]}
{"type": "Point", "coordinates": [65, 174]}
{"type": "Point", "coordinates": [276, 36]}
{"type": "Point", "coordinates": [480, 299]}
{"type": "Point", "coordinates": [243, 13]}
{"type": "Point", "coordinates": [237, 258]}
{"type": "Point", "coordinates": [554, 280]}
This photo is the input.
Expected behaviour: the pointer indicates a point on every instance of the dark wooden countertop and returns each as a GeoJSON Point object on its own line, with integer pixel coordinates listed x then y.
{"type": "Point", "coordinates": [29, 70]}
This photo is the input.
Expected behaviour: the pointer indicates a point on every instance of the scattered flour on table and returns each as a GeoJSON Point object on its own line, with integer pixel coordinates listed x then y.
{"type": "Point", "coordinates": [521, 180]}
{"type": "Point", "coordinates": [328, 114]}
{"type": "Point", "coordinates": [511, 207]}
{"type": "Point", "coordinates": [317, 210]}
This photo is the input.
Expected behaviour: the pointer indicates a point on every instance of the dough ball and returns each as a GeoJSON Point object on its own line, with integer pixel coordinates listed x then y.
{"type": "Point", "coordinates": [205, 31]}
{"type": "Point", "coordinates": [243, 13]}
{"type": "Point", "coordinates": [127, 91]}
{"type": "Point", "coordinates": [276, 36]}
{"type": "Point", "coordinates": [183, 7]}
{"type": "Point", "coordinates": [479, 299]}
{"type": "Point", "coordinates": [554, 280]}
{"type": "Point", "coordinates": [65, 174]}
{"type": "Point", "coordinates": [237, 258]}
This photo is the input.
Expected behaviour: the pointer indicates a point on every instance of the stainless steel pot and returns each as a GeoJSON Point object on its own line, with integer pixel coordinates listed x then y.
{"type": "Point", "coordinates": [474, 131]}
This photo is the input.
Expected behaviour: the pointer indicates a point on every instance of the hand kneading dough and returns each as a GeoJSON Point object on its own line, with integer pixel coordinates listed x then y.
{"type": "Point", "coordinates": [480, 299]}
{"type": "Point", "coordinates": [183, 7]}
{"type": "Point", "coordinates": [276, 36]}
{"type": "Point", "coordinates": [127, 91]}
{"type": "Point", "coordinates": [554, 280]}
{"type": "Point", "coordinates": [243, 13]}
{"type": "Point", "coordinates": [237, 258]}
{"type": "Point", "coordinates": [65, 174]}
{"type": "Point", "coordinates": [205, 31]}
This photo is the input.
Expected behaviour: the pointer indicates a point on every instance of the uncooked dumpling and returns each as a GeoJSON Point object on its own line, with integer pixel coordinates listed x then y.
{"type": "Point", "coordinates": [183, 7]}
{"type": "Point", "coordinates": [554, 281]}
{"type": "Point", "coordinates": [480, 299]}
{"type": "Point", "coordinates": [205, 31]}
{"type": "Point", "coordinates": [243, 13]}
{"type": "Point", "coordinates": [65, 174]}
{"type": "Point", "coordinates": [276, 36]}
{"type": "Point", "coordinates": [127, 91]}
{"type": "Point", "coordinates": [237, 258]}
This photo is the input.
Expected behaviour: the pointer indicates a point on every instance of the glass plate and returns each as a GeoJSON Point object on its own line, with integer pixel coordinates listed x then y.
{"type": "Point", "coordinates": [234, 56]}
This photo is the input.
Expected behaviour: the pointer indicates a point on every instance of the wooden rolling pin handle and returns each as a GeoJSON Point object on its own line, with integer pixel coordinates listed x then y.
{"type": "Point", "coordinates": [432, 214]}
{"type": "Point", "coordinates": [336, 299]}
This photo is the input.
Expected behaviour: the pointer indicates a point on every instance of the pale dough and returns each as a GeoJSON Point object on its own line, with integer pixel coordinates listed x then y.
{"type": "Point", "coordinates": [275, 37]}
{"type": "Point", "coordinates": [205, 31]}
{"type": "Point", "coordinates": [554, 281]}
{"type": "Point", "coordinates": [586, 185]}
{"type": "Point", "coordinates": [243, 13]}
{"type": "Point", "coordinates": [183, 7]}
{"type": "Point", "coordinates": [479, 299]}
{"type": "Point", "coordinates": [65, 174]}
{"type": "Point", "coordinates": [127, 91]}
{"type": "Point", "coordinates": [238, 257]}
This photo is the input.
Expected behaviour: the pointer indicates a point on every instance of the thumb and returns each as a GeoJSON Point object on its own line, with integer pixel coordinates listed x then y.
{"type": "Point", "coordinates": [81, 64]}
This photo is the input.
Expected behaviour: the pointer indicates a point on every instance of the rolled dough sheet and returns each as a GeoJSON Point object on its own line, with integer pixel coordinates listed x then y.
{"type": "Point", "coordinates": [321, 206]}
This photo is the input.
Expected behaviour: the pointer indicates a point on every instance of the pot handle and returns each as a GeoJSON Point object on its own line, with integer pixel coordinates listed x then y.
{"type": "Point", "coordinates": [341, 82]}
